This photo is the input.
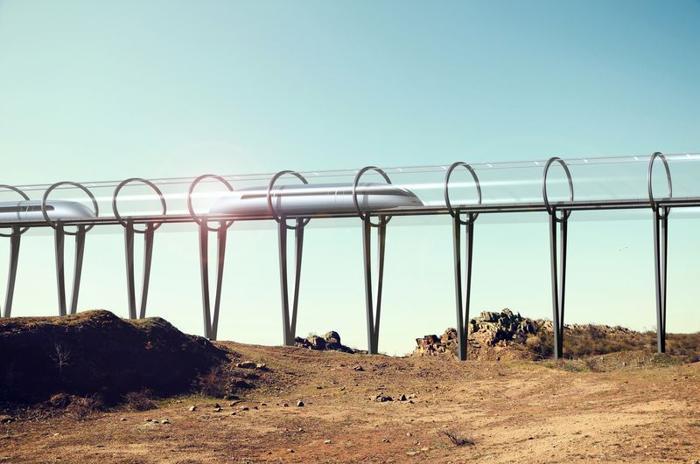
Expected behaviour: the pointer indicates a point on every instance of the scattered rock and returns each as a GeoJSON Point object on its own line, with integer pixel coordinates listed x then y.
{"type": "Point", "coordinates": [244, 408]}
{"type": "Point", "coordinates": [326, 442]}
{"type": "Point", "coordinates": [4, 419]}
{"type": "Point", "coordinates": [300, 404]}
{"type": "Point", "coordinates": [330, 341]}
{"type": "Point", "coordinates": [193, 408]}
{"type": "Point", "coordinates": [381, 398]}
{"type": "Point", "coordinates": [165, 421]}
{"type": "Point", "coordinates": [358, 368]}
{"type": "Point", "coordinates": [247, 365]}
{"type": "Point", "coordinates": [402, 397]}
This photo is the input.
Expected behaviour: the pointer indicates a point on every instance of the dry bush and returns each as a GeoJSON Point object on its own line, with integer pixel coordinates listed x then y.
{"type": "Point", "coordinates": [213, 384]}
{"type": "Point", "coordinates": [225, 381]}
{"type": "Point", "coordinates": [81, 407]}
{"type": "Point", "coordinates": [139, 401]}
{"type": "Point", "coordinates": [458, 440]}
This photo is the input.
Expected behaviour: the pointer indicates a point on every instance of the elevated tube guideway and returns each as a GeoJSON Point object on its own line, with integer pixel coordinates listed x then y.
{"type": "Point", "coordinates": [462, 191]}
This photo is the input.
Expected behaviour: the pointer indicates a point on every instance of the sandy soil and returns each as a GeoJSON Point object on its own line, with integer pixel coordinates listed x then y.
{"type": "Point", "coordinates": [513, 411]}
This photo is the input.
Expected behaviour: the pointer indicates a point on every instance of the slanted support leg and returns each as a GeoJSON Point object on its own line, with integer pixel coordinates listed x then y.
{"type": "Point", "coordinates": [558, 275]}
{"type": "Point", "coordinates": [462, 302]}
{"type": "Point", "coordinates": [130, 284]}
{"type": "Point", "coordinates": [129, 235]}
{"type": "Point", "coordinates": [211, 324]}
{"type": "Point", "coordinates": [59, 244]}
{"type": "Point", "coordinates": [78, 268]}
{"type": "Point", "coordinates": [373, 309]}
{"type": "Point", "coordinates": [289, 321]}
{"type": "Point", "coordinates": [12, 273]}
{"type": "Point", "coordinates": [661, 273]}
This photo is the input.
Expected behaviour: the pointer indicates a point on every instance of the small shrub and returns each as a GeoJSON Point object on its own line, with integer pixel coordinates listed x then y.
{"type": "Point", "coordinates": [458, 440]}
{"type": "Point", "coordinates": [81, 407]}
{"type": "Point", "coordinates": [139, 401]}
{"type": "Point", "coordinates": [60, 400]}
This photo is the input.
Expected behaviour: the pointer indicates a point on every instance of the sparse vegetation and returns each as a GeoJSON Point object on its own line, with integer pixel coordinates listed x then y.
{"type": "Point", "coordinates": [458, 440]}
{"type": "Point", "coordinates": [139, 401]}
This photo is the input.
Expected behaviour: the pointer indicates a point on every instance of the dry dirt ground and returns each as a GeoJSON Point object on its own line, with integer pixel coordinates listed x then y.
{"type": "Point", "coordinates": [514, 411]}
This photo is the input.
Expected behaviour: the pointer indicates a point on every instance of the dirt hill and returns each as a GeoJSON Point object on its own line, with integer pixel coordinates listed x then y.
{"type": "Point", "coordinates": [96, 352]}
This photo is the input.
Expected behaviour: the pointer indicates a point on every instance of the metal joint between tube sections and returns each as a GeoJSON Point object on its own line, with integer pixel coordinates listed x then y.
{"type": "Point", "coordinates": [462, 301]}
{"type": "Point", "coordinates": [14, 237]}
{"type": "Point", "coordinates": [373, 308]}
{"type": "Point", "coordinates": [558, 264]}
{"type": "Point", "coordinates": [211, 322]}
{"type": "Point", "coordinates": [660, 248]}
{"type": "Point", "coordinates": [289, 320]}
{"type": "Point", "coordinates": [59, 242]}
{"type": "Point", "coordinates": [129, 231]}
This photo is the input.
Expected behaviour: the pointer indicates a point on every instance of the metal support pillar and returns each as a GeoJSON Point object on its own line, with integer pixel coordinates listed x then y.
{"type": "Point", "coordinates": [661, 273]}
{"type": "Point", "coordinates": [275, 200]}
{"type": "Point", "coordinates": [558, 274]}
{"type": "Point", "coordinates": [59, 243]}
{"type": "Point", "coordinates": [373, 307]}
{"type": "Point", "coordinates": [463, 296]}
{"type": "Point", "coordinates": [289, 321]}
{"type": "Point", "coordinates": [211, 324]}
{"type": "Point", "coordinates": [211, 321]}
{"type": "Point", "coordinates": [661, 213]}
{"type": "Point", "coordinates": [558, 264]}
{"type": "Point", "coordinates": [129, 235]}
{"type": "Point", "coordinates": [12, 272]}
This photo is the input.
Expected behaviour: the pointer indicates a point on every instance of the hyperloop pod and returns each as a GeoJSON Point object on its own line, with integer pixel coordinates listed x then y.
{"type": "Point", "coordinates": [462, 191]}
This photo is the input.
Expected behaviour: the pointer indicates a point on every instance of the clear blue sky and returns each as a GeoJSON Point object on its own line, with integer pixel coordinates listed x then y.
{"type": "Point", "coordinates": [102, 90]}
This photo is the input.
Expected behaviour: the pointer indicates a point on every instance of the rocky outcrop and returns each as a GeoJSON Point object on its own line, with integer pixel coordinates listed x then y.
{"type": "Point", "coordinates": [330, 341]}
{"type": "Point", "coordinates": [489, 329]}
{"type": "Point", "coordinates": [508, 335]}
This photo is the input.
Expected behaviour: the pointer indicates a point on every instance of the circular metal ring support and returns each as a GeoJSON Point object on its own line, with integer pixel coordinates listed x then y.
{"type": "Point", "coordinates": [654, 203]}
{"type": "Point", "coordinates": [153, 187]}
{"type": "Point", "coordinates": [383, 220]}
{"type": "Point", "coordinates": [273, 212]}
{"type": "Point", "coordinates": [23, 195]}
{"type": "Point", "coordinates": [72, 184]}
{"type": "Point", "coordinates": [545, 197]}
{"type": "Point", "coordinates": [455, 212]}
{"type": "Point", "coordinates": [198, 219]}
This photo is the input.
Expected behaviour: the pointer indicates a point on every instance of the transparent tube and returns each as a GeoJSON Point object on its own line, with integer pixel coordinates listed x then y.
{"type": "Point", "coordinates": [412, 190]}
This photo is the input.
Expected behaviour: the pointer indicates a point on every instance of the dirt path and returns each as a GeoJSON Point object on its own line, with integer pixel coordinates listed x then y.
{"type": "Point", "coordinates": [513, 412]}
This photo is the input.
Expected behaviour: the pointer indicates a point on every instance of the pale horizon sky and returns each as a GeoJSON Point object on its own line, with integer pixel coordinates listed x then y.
{"type": "Point", "coordinates": [107, 90]}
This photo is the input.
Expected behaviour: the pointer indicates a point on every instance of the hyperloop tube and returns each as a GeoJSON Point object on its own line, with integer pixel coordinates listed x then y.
{"type": "Point", "coordinates": [502, 186]}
